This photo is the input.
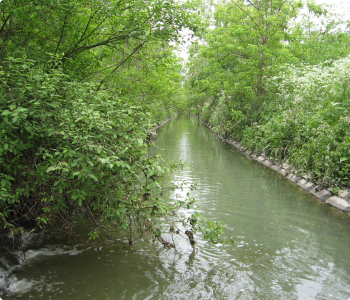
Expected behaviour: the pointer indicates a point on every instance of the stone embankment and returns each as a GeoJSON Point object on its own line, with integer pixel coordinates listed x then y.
{"type": "Point", "coordinates": [340, 201]}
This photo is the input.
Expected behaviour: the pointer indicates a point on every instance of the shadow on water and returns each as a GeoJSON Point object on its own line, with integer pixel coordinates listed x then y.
{"type": "Point", "coordinates": [288, 244]}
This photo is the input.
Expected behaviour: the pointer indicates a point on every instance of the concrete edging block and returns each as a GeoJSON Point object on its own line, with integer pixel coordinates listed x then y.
{"type": "Point", "coordinates": [276, 167]}
{"type": "Point", "coordinates": [260, 159]}
{"type": "Point", "coordinates": [339, 203]}
{"type": "Point", "coordinates": [253, 156]}
{"type": "Point", "coordinates": [321, 194]}
{"type": "Point", "coordinates": [344, 194]}
{"type": "Point", "coordinates": [306, 185]}
{"type": "Point", "coordinates": [293, 178]}
{"type": "Point", "coordinates": [286, 166]}
{"type": "Point", "coordinates": [240, 147]}
{"type": "Point", "coordinates": [315, 190]}
{"type": "Point", "coordinates": [267, 163]}
{"type": "Point", "coordinates": [283, 172]}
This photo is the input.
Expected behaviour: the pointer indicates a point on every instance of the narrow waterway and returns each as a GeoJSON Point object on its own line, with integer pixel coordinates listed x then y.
{"type": "Point", "coordinates": [288, 244]}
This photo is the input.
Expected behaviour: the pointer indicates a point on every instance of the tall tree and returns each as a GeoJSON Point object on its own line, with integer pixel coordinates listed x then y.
{"type": "Point", "coordinates": [318, 35]}
{"type": "Point", "coordinates": [84, 33]}
{"type": "Point", "coordinates": [246, 46]}
{"type": "Point", "coordinates": [248, 41]}
{"type": "Point", "coordinates": [79, 82]}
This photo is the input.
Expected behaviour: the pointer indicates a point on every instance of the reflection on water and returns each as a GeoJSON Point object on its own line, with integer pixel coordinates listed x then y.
{"type": "Point", "coordinates": [288, 244]}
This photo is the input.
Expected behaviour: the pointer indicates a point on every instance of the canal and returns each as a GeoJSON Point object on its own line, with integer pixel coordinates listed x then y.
{"type": "Point", "coordinates": [288, 244]}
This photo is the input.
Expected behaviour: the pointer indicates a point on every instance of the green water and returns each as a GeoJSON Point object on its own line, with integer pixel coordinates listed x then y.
{"type": "Point", "coordinates": [288, 244]}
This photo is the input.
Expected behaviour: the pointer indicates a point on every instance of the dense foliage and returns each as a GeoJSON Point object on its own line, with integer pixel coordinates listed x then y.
{"type": "Point", "coordinates": [82, 83]}
{"type": "Point", "coordinates": [308, 121]}
{"type": "Point", "coordinates": [273, 74]}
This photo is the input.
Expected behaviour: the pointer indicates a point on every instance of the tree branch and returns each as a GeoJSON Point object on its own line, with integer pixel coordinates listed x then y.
{"type": "Point", "coordinates": [122, 62]}
{"type": "Point", "coordinates": [63, 27]}
{"type": "Point", "coordinates": [257, 25]}
{"type": "Point", "coordinates": [5, 22]}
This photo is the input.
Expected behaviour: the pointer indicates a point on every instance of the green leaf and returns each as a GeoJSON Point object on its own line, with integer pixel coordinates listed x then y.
{"type": "Point", "coordinates": [6, 112]}
{"type": "Point", "coordinates": [93, 177]}
{"type": "Point", "coordinates": [49, 169]}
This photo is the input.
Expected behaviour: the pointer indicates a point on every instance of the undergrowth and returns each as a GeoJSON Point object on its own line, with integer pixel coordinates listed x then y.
{"type": "Point", "coordinates": [303, 120]}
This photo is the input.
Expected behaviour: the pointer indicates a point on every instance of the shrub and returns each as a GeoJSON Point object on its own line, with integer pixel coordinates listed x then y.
{"type": "Point", "coordinates": [66, 147]}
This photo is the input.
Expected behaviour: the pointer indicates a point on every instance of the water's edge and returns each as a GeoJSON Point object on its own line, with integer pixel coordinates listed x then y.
{"type": "Point", "coordinates": [12, 256]}
{"type": "Point", "coordinates": [162, 123]}
{"type": "Point", "coordinates": [288, 244]}
{"type": "Point", "coordinates": [340, 201]}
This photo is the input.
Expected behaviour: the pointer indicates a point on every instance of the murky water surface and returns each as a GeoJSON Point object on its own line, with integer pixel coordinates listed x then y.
{"type": "Point", "coordinates": [288, 244]}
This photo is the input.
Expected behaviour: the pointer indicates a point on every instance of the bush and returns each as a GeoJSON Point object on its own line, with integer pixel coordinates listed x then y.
{"type": "Point", "coordinates": [66, 147]}
{"type": "Point", "coordinates": [309, 126]}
